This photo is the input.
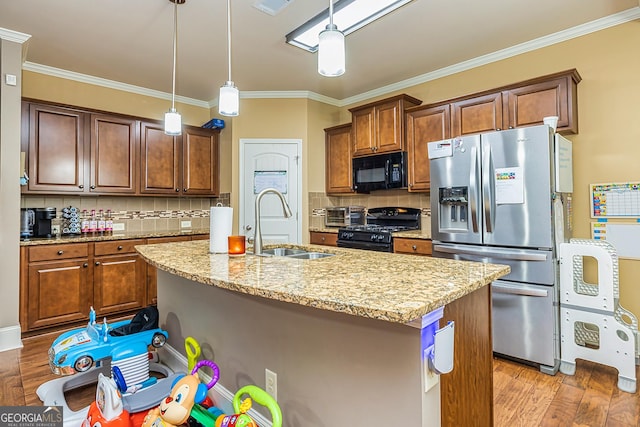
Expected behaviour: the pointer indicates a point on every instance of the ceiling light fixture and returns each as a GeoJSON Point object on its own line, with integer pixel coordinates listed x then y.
{"type": "Point", "coordinates": [331, 51]}
{"type": "Point", "coordinates": [172, 119]}
{"type": "Point", "coordinates": [349, 16]}
{"type": "Point", "coordinates": [229, 100]}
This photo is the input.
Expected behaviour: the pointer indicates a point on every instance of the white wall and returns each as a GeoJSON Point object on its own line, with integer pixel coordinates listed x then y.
{"type": "Point", "coordinates": [10, 63]}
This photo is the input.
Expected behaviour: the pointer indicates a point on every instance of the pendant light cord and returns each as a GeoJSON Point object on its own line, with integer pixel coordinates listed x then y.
{"type": "Point", "coordinates": [229, 35]}
{"type": "Point", "coordinates": [331, 13]}
{"type": "Point", "coordinates": [175, 48]}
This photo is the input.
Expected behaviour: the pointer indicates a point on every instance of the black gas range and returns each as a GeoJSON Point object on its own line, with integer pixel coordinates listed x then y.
{"type": "Point", "coordinates": [376, 235]}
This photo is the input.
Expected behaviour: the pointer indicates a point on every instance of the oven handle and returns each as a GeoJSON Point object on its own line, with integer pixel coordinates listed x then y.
{"type": "Point", "coordinates": [502, 289]}
{"type": "Point", "coordinates": [493, 253]}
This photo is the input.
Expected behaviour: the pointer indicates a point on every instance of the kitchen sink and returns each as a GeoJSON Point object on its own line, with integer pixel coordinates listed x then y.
{"type": "Point", "coordinates": [283, 251]}
{"type": "Point", "coordinates": [310, 255]}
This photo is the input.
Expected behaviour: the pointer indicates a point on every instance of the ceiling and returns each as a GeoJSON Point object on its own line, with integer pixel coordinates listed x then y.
{"type": "Point", "coordinates": [130, 41]}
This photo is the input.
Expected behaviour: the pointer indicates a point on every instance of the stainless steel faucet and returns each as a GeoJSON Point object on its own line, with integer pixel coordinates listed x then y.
{"type": "Point", "coordinates": [257, 239]}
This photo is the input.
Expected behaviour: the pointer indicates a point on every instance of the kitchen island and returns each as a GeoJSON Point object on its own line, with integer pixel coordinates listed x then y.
{"type": "Point", "coordinates": [343, 333]}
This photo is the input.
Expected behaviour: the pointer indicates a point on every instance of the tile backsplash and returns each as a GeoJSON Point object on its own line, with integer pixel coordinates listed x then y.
{"type": "Point", "coordinates": [402, 198]}
{"type": "Point", "coordinates": [137, 213]}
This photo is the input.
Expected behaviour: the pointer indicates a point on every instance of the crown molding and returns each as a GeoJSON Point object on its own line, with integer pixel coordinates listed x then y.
{"type": "Point", "coordinates": [13, 36]}
{"type": "Point", "coordinates": [111, 84]}
{"type": "Point", "coordinates": [551, 39]}
{"type": "Point", "coordinates": [560, 36]}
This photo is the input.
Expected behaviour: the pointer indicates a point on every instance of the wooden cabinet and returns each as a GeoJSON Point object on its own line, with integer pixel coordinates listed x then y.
{"type": "Point", "coordinates": [424, 125]}
{"type": "Point", "coordinates": [113, 154]}
{"type": "Point", "coordinates": [338, 169]}
{"type": "Point", "coordinates": [119, 277]}
{"type": "Point", "coordinates": [476, 115]}
{"type": "Point", "coordinates": [405, 245]}
{"type": "Point", "coordinates": [72, 150]}
{"type": "Point", "coordinates": [378, 127]}
{"type": "Point", "coordinates": [200, 161]}
{"type": "Point", "coordinates": [152, 272]}
{"type": "Point", "coordinates": [55, 144]}
{"type": "Point", "coordinates": [321, 238]}
{"type": "Point", "coordinates": [159, 160]}
{"type": "Point", "coordinates": [58, 285]}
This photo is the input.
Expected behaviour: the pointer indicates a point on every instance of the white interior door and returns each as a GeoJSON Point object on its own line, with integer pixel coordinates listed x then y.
{"type": "Point", "coordinates": [271, 163]}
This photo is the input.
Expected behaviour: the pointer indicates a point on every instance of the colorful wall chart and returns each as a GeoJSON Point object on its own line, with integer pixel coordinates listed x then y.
{"type": "Point", "coordinates": [615, 200]}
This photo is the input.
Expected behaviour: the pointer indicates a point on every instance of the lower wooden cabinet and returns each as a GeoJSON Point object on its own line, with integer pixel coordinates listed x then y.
{"type": "Point", "coordinates": [321, 238]}
{"type": "Point", "coordinates": [404, 245]}
{"type": "Point", "coordinates": [152, 272]}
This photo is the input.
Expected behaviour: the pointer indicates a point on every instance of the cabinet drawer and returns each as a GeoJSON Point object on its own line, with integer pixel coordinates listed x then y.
{"type": "Point", "coordinates": [53, 252]}
{"type": "Point", "coordinates": [328, 239]}
{"type": "Point", "coordinates": [412, 246]}
{"type": "Point", "coordinates": [117, 247]}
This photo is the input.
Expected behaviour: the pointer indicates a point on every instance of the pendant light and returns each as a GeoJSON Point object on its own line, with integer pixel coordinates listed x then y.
{"type": "Point", "coordinates": [172, 119]}
{"type": "Point", "coordinates": [331, 51]}
{"type": "Point", "coordinates": [229, 99]}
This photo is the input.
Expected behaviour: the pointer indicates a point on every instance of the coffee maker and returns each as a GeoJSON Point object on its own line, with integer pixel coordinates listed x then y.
{"type": "Point", "coordinates": [42, 225]}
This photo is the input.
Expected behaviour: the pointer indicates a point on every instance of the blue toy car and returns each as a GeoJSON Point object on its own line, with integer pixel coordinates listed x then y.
{"type": "Point", "coordinates": [77, 350]}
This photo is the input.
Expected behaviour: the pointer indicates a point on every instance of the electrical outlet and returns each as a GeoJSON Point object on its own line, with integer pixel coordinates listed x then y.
{"type": "Point", "coordinates": [55, 229]}
{"type": "Point", "coordinates": [185, 224]}
{"type": "Point", "coordinates": [118, 226]}
{"type": "Point", "coordinates": [430, 377]}
{"type": "Point", "coordinates": [271, 383]}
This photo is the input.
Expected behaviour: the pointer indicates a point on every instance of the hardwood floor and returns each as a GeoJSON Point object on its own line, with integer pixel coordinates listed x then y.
{"type": "Point", "coordinates": [522, 395]}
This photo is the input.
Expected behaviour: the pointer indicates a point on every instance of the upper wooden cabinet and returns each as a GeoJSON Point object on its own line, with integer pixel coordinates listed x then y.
{"type": "Point", "coordinates": [74, 151]}
{"type": "Point", "coordinates": [522, 104]}
{"type": "Point", "coordinates": [55, 142]}
{"type": "Point", "coordinates": [378, 127]}
{"type": "Point", "coordinates": [114, 154]}
{"type": "Point", "coordinates": [423, 126]}
{"type": "Point", "coordinates": [338, 172]}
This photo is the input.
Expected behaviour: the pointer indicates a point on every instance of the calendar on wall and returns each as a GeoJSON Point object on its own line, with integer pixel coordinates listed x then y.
{"type": "Point", "coordinates": [615, 200]}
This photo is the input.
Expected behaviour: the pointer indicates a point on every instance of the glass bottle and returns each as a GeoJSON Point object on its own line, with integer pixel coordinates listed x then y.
{"type": "Point", "coordinates": [100, 228]}
{"type": "Point", "coordinates": [93, 222]}
{"type": "Point", "coordinates": [84, 222]}
{"type": "Point", "coordinates": [108, 223]}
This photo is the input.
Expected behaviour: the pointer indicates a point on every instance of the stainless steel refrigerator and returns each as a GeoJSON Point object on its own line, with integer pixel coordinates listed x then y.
{"type": "Point", "coordinates": [505, 197]}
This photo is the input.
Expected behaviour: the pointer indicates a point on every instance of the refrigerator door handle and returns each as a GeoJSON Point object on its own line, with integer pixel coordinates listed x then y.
{"type": "Point", "coordinates": [472, 189]}
{"type": "Point", "coordinates": [486, 189]}
{"type": "Point", "coordinates": [502, 289]}
{"type": "Point", "coordinates": [493, 253]}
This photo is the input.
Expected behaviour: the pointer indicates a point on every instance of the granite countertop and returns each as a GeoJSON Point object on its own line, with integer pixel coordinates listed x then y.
{"type": "Point", "coordinates": [413, 234]}
{"type": "Point", "coordinates": [391, 287]}
{"type": "Point", "coordinates": [118, 235]}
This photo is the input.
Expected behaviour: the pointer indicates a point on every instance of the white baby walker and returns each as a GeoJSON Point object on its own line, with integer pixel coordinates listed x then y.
{"type": "Point", "coordinates": [593, 325]}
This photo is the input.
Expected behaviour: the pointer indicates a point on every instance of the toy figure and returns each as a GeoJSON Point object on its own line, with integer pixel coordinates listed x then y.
{"type": "Point", "coordinates": [107, 408]}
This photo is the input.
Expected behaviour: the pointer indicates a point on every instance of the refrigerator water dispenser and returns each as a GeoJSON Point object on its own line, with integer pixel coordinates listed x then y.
{"type": "Point", "coordinates": [454, 208]}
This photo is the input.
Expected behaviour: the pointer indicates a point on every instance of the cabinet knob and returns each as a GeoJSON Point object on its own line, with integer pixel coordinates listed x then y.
{"type": "Point", "coordinates": [81, 186]}
{"type": "Point", "coordinates": [93, 187]}
{"type": "Point", "coordinates": [247, 227]}
{"type": "Point", "coordinates": [498, 129]}
{"type": "Point", "coordinates": [414, 247]}
{"type": "Point", "coordinates": [510, 127]}
{"type": "Point", "coordinates": [410, 185]}
{"type": "Point", "coordinates": [372, 149]}
{"type": "Point", "coordinates": [85, 265]}
{"type": "Point", "coordinates": [184, 190]}
{"type": "Point", "coordinates": [323, 238]}
{"type": "Point", "coordinates": [120, 247]}
{"type": "Point", "coordinates": [177, 190]}
{"type": "Point", "coordinates": [97, 262]}
{"type": "Point", "coordinates": [60, 252]}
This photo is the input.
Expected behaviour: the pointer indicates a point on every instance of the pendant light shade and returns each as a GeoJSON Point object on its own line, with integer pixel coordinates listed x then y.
{"type": "Point", "coordinates": [229, 99]}
{"type": "Point", "coordinates": [173, 119]}
{"type": "Point", "coordinates": [331, 50]}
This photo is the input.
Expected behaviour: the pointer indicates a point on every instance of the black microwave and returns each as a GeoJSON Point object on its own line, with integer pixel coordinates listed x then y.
{"type": "Point", "coordinates": [380, 172]}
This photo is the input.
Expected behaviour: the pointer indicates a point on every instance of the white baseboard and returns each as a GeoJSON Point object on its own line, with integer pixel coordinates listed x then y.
{"type": "Point", "coordinates": [221, 396]}
{"type": "Point", "coordinates": [10, 338]}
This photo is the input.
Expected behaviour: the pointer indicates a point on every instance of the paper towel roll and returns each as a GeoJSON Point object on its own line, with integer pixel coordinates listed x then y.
{"type": "Point", "coordinates": [220, 228]}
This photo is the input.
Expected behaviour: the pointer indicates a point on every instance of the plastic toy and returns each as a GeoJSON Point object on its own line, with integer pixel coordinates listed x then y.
{"type": "Point", "coordinates": [77, 350]}
{"type": "Point", "coordinates": [186, 391]}
{"type": "Point", "coordinates": [107, 408]}
{"type": "Point", "coordinates": [241, 418]}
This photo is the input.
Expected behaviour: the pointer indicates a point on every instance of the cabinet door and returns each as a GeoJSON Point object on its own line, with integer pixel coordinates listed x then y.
{"type": "Point", "coordinates": [58, 292]}
{"type": "Point", "coordinates": [152, 272]}
{"type": "Point", "coordinates": [160, 160]}
{"type": "Point", "coordinates": [363, 132]}
{"type": "Point", "coordinates": [528, 105]}
{"type": "Point", "coordinates": [200, 155]}
{"type": "Point", "coordinates": [119, 283]}
{"type": "Point", "coordinates": [338, 172]}
{"type": "Point", "coordinates": [56, 149]}
{"type": "Point", "coordinates": [424, 126]}
{"type": "Point", "coordinates": [319, 238]}
{"type": "Point", "coordinates": [388, 127]}
{"type": "Point", "coordinates": [114, 154]}
{"type": "Point", "coordinates": [476, 115]}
